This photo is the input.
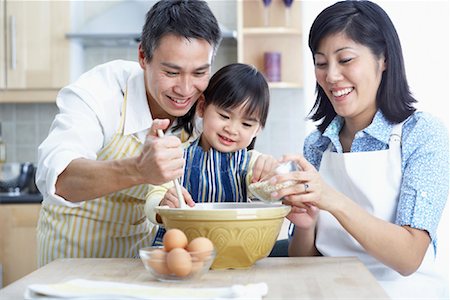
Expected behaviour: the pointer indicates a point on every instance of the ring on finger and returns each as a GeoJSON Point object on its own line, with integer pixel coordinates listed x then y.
{"type": "Point", "coordinates": [306, 187]}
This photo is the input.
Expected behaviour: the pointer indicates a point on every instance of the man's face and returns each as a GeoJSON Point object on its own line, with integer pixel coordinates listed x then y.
{"type": "Point", "coordinates": [177, 75]}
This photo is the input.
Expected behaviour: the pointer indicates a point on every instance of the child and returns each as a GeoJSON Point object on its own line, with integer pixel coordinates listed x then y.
{"type": "Point", "coordinates": [234, 109]}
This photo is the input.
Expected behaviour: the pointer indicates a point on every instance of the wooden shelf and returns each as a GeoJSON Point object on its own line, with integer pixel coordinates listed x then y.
{"type": "Point", "coordinates": [270, 31]}
{"type": "Point", "coordinates": [28, 96]}
{"type": "Point", "coordinates": [254, 38]}
{"type": "Point", "coordinates": [283, 85]}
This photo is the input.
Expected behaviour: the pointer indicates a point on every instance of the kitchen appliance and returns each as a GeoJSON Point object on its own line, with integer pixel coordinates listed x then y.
{"type": "Point", "coordinates": [16, 178]}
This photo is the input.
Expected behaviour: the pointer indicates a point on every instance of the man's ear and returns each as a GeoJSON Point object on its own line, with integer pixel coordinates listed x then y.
{"type": "Point", "coordinates": [141, 57]}
{"type": "Point", "coordinates": [200, 109]}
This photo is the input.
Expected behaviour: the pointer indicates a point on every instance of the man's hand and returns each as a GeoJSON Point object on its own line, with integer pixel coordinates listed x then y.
{"type": "Point", "coordinates": [161, 159]}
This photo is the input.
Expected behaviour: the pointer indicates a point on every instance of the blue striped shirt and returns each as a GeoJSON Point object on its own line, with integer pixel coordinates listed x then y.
{"type": "Point", "coordinates": [425, 163]}
{"type": "Point", "coordinates": [215, 176]}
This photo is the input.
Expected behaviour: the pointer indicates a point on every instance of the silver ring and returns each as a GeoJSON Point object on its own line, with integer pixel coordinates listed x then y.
{"type": "Point", "coordinates": [306, 187]}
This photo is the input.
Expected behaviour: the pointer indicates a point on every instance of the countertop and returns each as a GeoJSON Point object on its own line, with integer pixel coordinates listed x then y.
{"type": "Point", "coordinates": [20, 198]}
{"type": "Point", "coordinates": [286, 277]}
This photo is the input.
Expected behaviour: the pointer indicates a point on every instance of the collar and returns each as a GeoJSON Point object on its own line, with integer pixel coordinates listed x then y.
{"type": "Point", "coordinates": [138, 117]}
{"type": "Point", "coordinates": [380, 129]}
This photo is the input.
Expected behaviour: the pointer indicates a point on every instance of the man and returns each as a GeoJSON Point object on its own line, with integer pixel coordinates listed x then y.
{"type": "Point", "coordinates": [102, 151]}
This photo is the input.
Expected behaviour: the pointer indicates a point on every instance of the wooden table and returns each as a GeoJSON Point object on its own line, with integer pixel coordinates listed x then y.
{"type": "Point", "coordinates": [286, 277]}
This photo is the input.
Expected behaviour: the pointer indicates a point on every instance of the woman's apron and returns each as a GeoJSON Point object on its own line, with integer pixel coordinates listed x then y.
{"type": "Point", "coordinates": [111, 226]}
{"type": "Point", "coordinates": [372, 179]}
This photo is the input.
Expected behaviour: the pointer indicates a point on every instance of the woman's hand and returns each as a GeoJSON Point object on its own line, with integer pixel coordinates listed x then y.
{"type": "Point", "coordinates": [309, 190]}
{"type": "Point", "coordinates": [171, 199]}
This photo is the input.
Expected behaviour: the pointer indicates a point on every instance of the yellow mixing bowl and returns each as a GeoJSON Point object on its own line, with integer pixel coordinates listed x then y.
{"type": "Point", "coordinates": [242, 233]}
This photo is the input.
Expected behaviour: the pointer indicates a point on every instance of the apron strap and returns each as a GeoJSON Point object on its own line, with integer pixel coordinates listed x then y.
{"type": "Point", "coordinates": [124, 110]}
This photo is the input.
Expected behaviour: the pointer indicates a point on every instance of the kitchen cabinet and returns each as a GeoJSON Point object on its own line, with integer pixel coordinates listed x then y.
{"type": "Point", "coordinates": [35, 54]}
{"type": "Point", "coordinates": [282, 33]}
{"type": "Point", "coordinates": [18, 240]}
{"type": "Point", "coordinates": [2, 47]}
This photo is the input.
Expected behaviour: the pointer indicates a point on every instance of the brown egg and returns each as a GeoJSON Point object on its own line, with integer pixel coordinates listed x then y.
{"type": "Point", "coordinates": [158, 262]}
{"type": "Point", "coordinates": [200, 247]}
{"type": "Point", "coordinates": [179, 262]}
{"type": "Point", "coordinates": [174, 238]}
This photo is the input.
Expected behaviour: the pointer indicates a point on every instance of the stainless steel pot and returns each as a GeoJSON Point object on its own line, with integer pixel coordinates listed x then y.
{"type": "Point", "coordinates": [16, 177]}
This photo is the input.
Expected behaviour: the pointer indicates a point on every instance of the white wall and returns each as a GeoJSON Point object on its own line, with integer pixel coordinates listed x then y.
{"type": "Point", "coordinates": [423, 27]}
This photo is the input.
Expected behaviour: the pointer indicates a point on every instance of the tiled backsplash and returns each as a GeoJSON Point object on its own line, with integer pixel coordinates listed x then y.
{"type": "Point", "coordinates": [25, 126]}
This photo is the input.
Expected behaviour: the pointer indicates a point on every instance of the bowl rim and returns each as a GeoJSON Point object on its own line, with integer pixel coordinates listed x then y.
{"type": "Point", "coordinates": [227, 211]}
{"type": "Point", "coordinates": [150, 249]}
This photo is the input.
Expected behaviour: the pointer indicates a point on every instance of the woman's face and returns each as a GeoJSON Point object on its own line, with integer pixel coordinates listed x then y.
{"type": "Point", "coordinates": [350, 75]}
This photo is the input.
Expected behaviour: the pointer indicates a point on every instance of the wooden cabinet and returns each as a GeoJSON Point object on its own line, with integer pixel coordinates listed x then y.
{"type": "Point", "coordinates": [34, 55]}
{"type": "Point", "coordinates": [2, 46]}
{"type": "Point", "coordinates": [282, 34]}
{"type": "Point", "coordinates": [18, 240]}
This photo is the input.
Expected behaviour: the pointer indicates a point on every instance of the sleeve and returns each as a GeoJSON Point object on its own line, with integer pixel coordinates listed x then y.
{"type": "Point", "coordinates": [253, 154]}
{"type": "Point", "coordinates": [155, 195]}
{"type": "Point", "coordinates": [75, 133]}
{"type": "Point", "coordinates": [425, 185]}
{"type": "Point", "coordinates": [311, 149]}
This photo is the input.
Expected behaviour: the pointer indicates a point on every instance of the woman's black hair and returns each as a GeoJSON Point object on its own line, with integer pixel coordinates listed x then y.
{"type": "Point", "coordinates": [191, 19]}
{"type": "Point", "coordinates": [237, 84]}
{"type": "Point", "coordinates": [367, 24]}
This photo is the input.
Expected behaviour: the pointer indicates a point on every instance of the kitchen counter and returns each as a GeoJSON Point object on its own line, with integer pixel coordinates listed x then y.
{"type": "Point", "coordinates": [286, 277]}
{"type": "Point", "coordinates": [20, 198]}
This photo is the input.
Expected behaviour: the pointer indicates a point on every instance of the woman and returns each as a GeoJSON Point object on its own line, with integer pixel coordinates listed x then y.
{"type": "Point", "coordinates": [383, 167]}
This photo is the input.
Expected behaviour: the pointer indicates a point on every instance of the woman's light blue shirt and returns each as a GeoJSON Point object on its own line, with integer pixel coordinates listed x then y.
{"type": "Point", "coordinates": [425, 163]}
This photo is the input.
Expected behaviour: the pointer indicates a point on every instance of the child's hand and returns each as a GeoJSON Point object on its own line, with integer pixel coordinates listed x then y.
{"type": "Point", "coordinates": [303, 218]}
{"type": "Point", "coordinates": [171, 199]}
{"type": "Point", "coordinates": [264, 167]}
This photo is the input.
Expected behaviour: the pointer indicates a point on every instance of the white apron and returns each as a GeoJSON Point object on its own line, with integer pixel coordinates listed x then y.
{"type": "Point", "coordinates": [372, 179]}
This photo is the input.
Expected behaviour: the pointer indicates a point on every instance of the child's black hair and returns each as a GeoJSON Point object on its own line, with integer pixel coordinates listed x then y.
{"type": "Point", "coordinates": [236, 84]}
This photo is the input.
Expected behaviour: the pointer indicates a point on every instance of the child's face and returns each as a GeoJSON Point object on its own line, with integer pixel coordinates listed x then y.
{"type": "Point", "coordinates": [227, 130]}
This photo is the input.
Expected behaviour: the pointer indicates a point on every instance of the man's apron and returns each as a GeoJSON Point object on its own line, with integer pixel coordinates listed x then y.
{"type": "Point", "coordinates": [111, 226]}
{"type": "Point", "coordinates": [372, 179]}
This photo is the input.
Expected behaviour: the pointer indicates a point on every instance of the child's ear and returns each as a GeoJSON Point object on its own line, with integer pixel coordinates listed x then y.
{"type": "Point", "coordinates": [258, 131]}
{"type": "Point", "coordinates": [200, 109]}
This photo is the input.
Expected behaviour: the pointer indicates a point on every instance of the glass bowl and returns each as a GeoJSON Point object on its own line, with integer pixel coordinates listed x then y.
{"type": "Point", "coordinates": [180, 265]}
{"type": "Point", "coordinates": [263, 189]}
